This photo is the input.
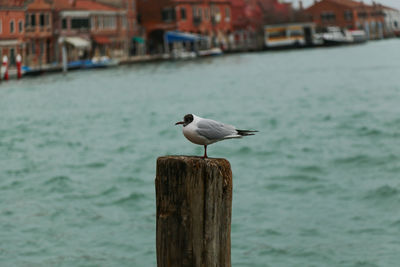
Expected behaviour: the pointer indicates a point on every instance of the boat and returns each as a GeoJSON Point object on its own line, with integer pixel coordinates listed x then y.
{"type": "Point", "coordinates": [289, 35]}
{"type": "Point", "coordinates": [94, 63]}
{"type": "Point", "coordinates": [216, 51]}
{"type": "Point", "coordinates": [359, 36]}
{"type": "Point", "coordinates": [338, 36]}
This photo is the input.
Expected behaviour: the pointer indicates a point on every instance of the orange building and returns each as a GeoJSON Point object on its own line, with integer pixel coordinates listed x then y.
{"type": "Point", "coordinates": [12, 19]}
{"type": "Point", "coordinates": [349, 14]}
{"type": "Point", "coordinates": [38, 33]}
{"type": "Point", "coordinates": [90, 29]}
{"type": "Point", "coordinates": [212, 18]}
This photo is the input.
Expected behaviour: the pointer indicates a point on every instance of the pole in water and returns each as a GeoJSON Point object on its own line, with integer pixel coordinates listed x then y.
{"type": "Point", "coordinates": [5, 68]}
{"type": "Point", "coordinates": [19, 66]}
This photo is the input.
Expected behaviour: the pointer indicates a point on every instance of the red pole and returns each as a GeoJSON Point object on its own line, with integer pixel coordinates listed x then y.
{"type": "Point", "coordinates": [19, 66]}
{"type": "Point", "coordinates": [5, 67]}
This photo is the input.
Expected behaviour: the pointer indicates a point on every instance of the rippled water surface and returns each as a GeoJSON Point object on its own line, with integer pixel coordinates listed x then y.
{"type": "Point", "coordinates": [319, 185]}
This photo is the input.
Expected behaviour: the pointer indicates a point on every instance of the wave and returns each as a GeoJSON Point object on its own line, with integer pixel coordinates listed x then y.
{"type": "Point", "coordinates": [297, 178]}
{"type": "Point", "coordinates": [133, 197]}
{"type": "Point", "coordinates": [368, 131]}
{"type": "Point", "coordinates": [383, 192]}
{"type": "Point", "coordinates": [311, 169]}
{"type": "Point", "coordinates": [59, 183]}
{"type": "Point", "coordinates": [362, 159]}
{"type": "Point", "coordinates": [96, 165]}
{"type": "Point", "coordinates": [130, 200]}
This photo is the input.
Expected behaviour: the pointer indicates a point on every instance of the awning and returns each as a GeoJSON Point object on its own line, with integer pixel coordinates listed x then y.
{"type": "Point", "coordinates": [102, 40]}
{"type": "Point", "coordinates": [78, 42]}
{"type": "Point", "coordinates": [9, 42]}
{"type": "Point", "coordinates": [175, 36]}
{"type": "Point", "coordinates": [137, 39]}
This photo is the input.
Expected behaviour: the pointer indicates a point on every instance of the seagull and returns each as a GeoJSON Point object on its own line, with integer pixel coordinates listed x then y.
{"type": "Point", "coordinates": [204, 132]}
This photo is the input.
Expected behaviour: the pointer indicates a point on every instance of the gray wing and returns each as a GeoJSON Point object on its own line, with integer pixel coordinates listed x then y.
{"type": "Point", "coordinates": [214, 130]}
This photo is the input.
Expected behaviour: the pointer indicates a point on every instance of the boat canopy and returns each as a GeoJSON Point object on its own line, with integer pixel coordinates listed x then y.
{"type": "Point", "coordinates": [78, 42]}
{"type": "Point", "coordinates": [176, 36]}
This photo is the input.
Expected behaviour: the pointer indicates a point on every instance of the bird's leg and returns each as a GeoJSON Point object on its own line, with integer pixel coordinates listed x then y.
{"type": "Point", "coordinates": [205, 152]}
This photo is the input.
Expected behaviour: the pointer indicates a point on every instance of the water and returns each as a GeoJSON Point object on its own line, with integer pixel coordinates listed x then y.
{"type": "Point", "coordinates": [317, 186]}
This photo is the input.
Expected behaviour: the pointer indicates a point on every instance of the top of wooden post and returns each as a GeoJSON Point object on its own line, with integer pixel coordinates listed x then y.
{"type": "Point", "coordinates": [193, 161]}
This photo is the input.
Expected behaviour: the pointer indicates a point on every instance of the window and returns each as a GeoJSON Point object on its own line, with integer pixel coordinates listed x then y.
{"type": "Point", "coordinates": [207, 13]}
{"type": "Point", "coordinates": [80, 23]}
{"type": "Point", "coordinates": [276, 33]}
{"type": "Point", "coordinates": [124, 22]}
{"type": "Point", "coordinates": [197, 12]}
{"type": "Point", "coordinates": [41, 48]}
{"type": "Point", "coordinates": [33, 48]}
{"type": "Point", "coordinates": [41, 20]}
{"type": "Point", "coordinates": [33, 20]}
{"type": "Point", "coordinates": [227, 14]}
{"type": "Point", "coordinates": [348, 15]}
{"type": "Point", "coordinates": [1, 26]}
{"type": "Point", "coordinates": [215, 14]}
{"type": "Point", "coordinates": [183, 13]}
{"type": "Point", "coordinates": [362, 14]}
{"type": "Point", "coordinates": [98, 26]}
{"type": "Point", "coordinates": [196, 15]}
{"type": "Point", "coordinates": [168, 14]}
{"type": "Point", "coordinates": [328, 16]}
{"type": "Point", "coordinates": [64, 23]}
{"type": "Point", "coordinates": [109, 22]}
{"type": "Point", "coordinates": [296, 32]}
{"type": "Point", "coordinates": [20, 26]}
{"type": "Point", "coordinates": [47, 19]}
{"type": "Point", "coordinates": [12, 26]}
{"type": "Point", "coordinates": [100, 22]}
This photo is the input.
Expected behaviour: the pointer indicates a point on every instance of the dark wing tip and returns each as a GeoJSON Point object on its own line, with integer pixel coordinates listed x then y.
{"type": "Point", "coordinates": [246, 132]}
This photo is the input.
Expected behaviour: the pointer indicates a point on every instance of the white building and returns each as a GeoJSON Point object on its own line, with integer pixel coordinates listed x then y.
{"type": "Point", "coordinates": [392, 21]}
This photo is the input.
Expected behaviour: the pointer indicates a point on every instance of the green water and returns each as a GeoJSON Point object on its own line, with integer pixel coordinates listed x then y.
{"type": "Point", "coordinates": [319, 185]}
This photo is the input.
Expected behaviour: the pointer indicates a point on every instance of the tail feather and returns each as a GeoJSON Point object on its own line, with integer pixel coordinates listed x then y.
{"type": "Point", "coordinates": [245, 132]}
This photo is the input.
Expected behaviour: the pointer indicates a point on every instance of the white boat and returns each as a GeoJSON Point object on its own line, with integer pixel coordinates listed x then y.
{"type": "Point", "coordinates": [337, 36]}
{"type": "Point", "coordinates": [216, 51]}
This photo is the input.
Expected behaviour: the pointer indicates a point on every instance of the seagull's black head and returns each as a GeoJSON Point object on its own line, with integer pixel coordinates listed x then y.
{"type": "Point", "coordinates": [186, 120]}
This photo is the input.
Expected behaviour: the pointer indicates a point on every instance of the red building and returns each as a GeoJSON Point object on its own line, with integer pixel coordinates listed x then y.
{"type": "Point", "coordinates": [250, 17]}
{"type": "Point", "coordinates": [90, 29]}
{"type": "Point", "coordinates": [38, 33]}
{"type": "Point", "coordinates": [211, 18]}
{"type": "Point", "coordinates": [12, 17]}
{"type": "Point", "coordinates": [349, 14]}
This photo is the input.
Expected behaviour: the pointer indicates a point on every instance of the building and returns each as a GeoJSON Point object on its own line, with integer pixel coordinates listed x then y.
{"type": "Point", "coordinates": [349, 14]}
{"type": "Point", "coordinates": [249, 18]}
{"type": "Point", "coordinates": [392, 21]}
{"type": "Point", "coordinates": [210, 18]}
{"type": "Point", "coordinates": [135, 33]}
{"type": "Point", "coordinates": [90, 29]}
{"type": "Point", "coordinates": [12, 20]}
{"type": "Point", "coordinates": [38, 37]}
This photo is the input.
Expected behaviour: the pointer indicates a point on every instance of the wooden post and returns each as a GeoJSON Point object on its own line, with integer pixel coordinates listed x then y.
{"type": "Point", "coordinates": [194, 208]}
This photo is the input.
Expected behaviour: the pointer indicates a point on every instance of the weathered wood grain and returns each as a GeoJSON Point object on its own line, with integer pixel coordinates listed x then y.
{"type": "Point", "coordinates": [194, 209]}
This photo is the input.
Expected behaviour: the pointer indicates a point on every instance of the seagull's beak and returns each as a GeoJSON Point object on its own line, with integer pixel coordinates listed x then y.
{"type": "Point", "coordinates": [179, 122]}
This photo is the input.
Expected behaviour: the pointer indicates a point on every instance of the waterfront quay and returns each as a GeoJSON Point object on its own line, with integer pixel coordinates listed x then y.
{"type": "Point", "coordinates": [41, 36]}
